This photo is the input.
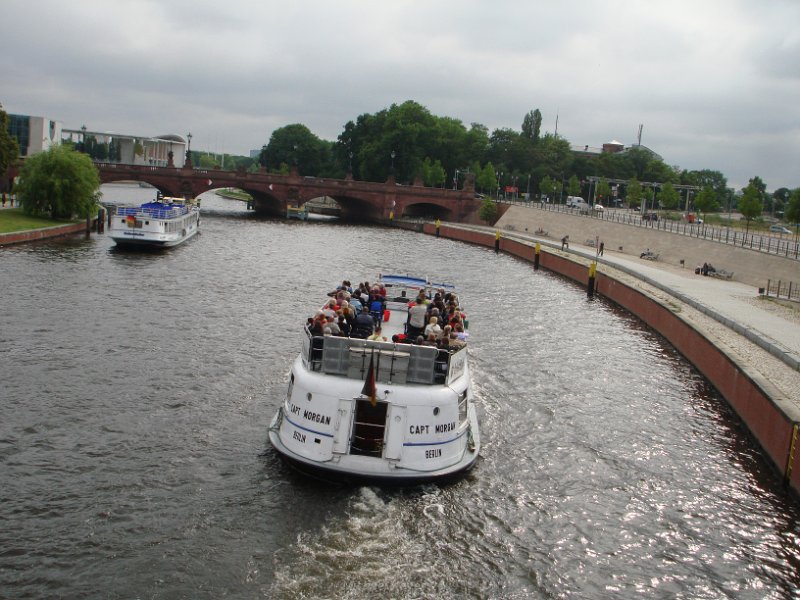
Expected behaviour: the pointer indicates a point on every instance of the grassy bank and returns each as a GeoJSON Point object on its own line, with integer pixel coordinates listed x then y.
{"type": "Point", "coordinates": [13, 219]}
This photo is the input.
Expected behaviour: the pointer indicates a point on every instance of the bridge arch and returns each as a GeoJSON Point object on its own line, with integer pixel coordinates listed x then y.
{"type": "Point", "coordinates": [272, 193]}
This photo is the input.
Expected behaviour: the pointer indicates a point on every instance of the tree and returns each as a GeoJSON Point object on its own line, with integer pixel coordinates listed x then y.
{"type": "Point", "coordinates": [488, 211]}
{"type": "Point", "coordinates": [793, 211]}
{"type": "Point", "coordinates": [296, 145]}
{"type": "Point", "coordinates": [532, 125]}
{"type": "Point", "coordinates": [634, 192]}
{"type": "Point", "coordinates": [669, 197]}
{"type": "Point", "coordinates": [573, 186]}
{"type": "Point", "coordinates": [602, 190]}
{"type": "Point", "coordinates": [750, 204]}
{"type": "Point", "coordinates": [59, 183]}
{"type": "Point", "coordinates": [486, 179]}
{"type": "Point", "coordinates": [9, 149]}
{"type": "Point", "coordinates": [433, 173]}
{"type": "Point", "coordinates": [208, 161]}
{"type": "Point", "coordinates": [706, 201]}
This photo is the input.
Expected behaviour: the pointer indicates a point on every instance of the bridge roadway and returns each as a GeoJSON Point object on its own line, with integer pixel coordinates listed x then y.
{"type": "Point", "coordinates": [273, 194]}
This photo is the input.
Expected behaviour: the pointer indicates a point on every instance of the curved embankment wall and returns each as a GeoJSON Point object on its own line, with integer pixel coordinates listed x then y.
{"type": "Point", "coordinates": [19, 237]}
{"type": "Point", "coordinates": [772, 421]}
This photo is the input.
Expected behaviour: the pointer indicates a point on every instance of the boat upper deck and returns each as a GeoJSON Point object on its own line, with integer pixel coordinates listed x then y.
{"type": "Point", "coordinates": [397, 324]}
{"type": "Point", "coordinates": [157, 209]}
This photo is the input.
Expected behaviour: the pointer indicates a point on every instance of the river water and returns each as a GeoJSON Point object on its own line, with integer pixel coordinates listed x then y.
{"type": "Point", "coordinates": [134, 462]}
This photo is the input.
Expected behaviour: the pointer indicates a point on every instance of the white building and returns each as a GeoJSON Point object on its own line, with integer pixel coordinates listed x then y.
{"type": "Point", "coordinates": [38, 134]}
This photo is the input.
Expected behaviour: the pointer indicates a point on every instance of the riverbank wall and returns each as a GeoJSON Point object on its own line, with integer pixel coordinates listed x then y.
{"type": "Point", "coordinates": [32, 235]}
{"type": "Point", "coordinates": [772, 419]}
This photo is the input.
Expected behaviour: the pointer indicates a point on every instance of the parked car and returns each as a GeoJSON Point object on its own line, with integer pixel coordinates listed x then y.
{"type": "Point", "coordinates": [598, 208]}
{"type": "Point", "coordinates": [650, 217]}
{"type": "Point", "coordinates": [779, 229]}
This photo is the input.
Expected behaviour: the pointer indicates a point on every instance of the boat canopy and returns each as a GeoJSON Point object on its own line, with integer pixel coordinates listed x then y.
{"type": "Point", "coordinates": [413, 282]}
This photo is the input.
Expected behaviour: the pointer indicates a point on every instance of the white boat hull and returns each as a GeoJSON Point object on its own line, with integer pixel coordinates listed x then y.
{"type": "Point", "coordinates": [420, 433]}
{"type": "Point", "coordinates": [154, 229]}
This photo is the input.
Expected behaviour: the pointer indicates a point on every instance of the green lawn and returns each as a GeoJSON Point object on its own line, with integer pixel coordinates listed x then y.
{"type": "Point", "coordinates": [13, 219]}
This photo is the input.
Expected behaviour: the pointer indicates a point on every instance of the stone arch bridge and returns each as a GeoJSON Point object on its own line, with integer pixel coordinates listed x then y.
{"type": "Point", "coordinates": [273, 194]}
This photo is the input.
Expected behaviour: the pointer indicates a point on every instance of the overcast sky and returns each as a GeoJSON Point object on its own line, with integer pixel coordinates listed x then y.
{"type": "Point", "coordinates": [715, 83]}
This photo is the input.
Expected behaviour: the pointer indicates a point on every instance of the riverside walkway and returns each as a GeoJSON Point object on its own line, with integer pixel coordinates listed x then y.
{"type": "Point", "coordinates": [746, 346]}
{"type": "Point", "coordinates": [763, 334]}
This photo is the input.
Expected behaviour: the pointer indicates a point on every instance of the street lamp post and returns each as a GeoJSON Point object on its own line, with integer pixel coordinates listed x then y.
{"type": "Point", "coordinates": [188, 161]}
{"type": "Point", "coordinates": [83, 138]}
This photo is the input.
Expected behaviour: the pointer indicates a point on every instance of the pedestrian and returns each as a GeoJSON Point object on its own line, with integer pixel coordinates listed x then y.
{"type": "Point", "coordinates": [565, 242]}
{"type": "Point", "coordinates": [602, 245]}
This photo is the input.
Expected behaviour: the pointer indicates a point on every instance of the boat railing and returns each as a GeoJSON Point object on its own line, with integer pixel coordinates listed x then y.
{"type": "Point", "coordinates": [392, 362]}
{"type": "Point", "coordinates": [172, 212]}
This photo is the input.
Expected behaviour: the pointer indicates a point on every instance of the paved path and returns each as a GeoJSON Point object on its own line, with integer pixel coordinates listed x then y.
{"type": "Point", "coordinates": [773, 326]}
{"type": "Point", "coordinates": [737, 302]}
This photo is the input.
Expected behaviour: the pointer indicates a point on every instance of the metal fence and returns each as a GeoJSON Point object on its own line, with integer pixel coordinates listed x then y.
{"type": "Point", "coordinates": [782, 289]}
{"type": "Point", "coordinates": [760, 242]}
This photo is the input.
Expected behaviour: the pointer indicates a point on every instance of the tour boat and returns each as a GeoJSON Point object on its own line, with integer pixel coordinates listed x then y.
{"type": "Point", "coordinates": [381, 411]}
{"type": "Point", "coordinates": [161, 223]}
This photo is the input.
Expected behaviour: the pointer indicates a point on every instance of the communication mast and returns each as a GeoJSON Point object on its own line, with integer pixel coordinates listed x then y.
{"type": "Point", "coordinates": [639, 137]}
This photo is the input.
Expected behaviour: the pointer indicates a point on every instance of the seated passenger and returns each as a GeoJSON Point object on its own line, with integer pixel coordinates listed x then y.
{"type": "Point", "coordinates": [432, 328]}
{"type": "Point", "coordinates": [376, 307]}
{"type": "Point", "coordinates": [363, 326]}
{"type": "Point", "coordinates": [377, 336]}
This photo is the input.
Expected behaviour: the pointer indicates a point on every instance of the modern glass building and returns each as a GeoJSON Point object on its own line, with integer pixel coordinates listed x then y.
{"type": "Point", "coordinates": [38, 134]}
{"type": "Point", "coordinates": [33, 134]}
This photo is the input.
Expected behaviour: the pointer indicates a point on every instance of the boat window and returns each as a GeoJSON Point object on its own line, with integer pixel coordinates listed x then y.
{"type": "Point", "coordinates": [462, 407]}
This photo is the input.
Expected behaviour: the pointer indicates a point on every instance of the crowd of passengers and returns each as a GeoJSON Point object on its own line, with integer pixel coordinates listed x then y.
{"type": "Point", "coordinates": [358, 312]}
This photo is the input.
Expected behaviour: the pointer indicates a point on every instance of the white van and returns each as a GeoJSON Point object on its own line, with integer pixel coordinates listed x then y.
{"type": "Point", "coordinates": [577, 202]}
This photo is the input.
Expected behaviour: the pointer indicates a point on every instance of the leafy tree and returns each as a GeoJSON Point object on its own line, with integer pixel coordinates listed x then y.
{"type": "Point", "coordinates": [793, 211]}
{"type": "Point", "coordinates": [668, 197]}
{"type": "Point", "coordinates": [208, 161]}
{"type": "Point", "coordinates": [296, 145]}
{"type": "Point", "coordinates": [488, 211]}
{"type": "Point", "coordinates": [546, 186]}
{"type": "Point", "coordinates": [602, 190]}
{"type": "Point", "coordinates": [750, 204]}
{"type": "Point", "coordinates": [706, 201]}
{"type": "Point", "coordinates": [779, 199]}
{"type": "Point", "coordinates": [433, 173]}
{"type": "Point", "coordinates": [573, 186]}
{"type": "Point", "coordinates": [634, 193]}
{"type": "Point", "coordinates": [59, 183]}
{"type": "Point", "coordinates": [638, 158]}
{"type": "Point", "coordinates": [549, 187]}
{"type": "Point", "coordinates": [486, 179]}
{"type": "Point", "coordinates": [714, 180]}
{"type": "Point", "coordinates": [9, 149]}
{"type": "Point", "coordinates": [550, 156]}
{"type": "Point", "coordinates": [532, 125]}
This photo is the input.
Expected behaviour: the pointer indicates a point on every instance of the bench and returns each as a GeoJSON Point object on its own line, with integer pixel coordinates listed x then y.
{"type": "Point", "coordinates": [721, 274]}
